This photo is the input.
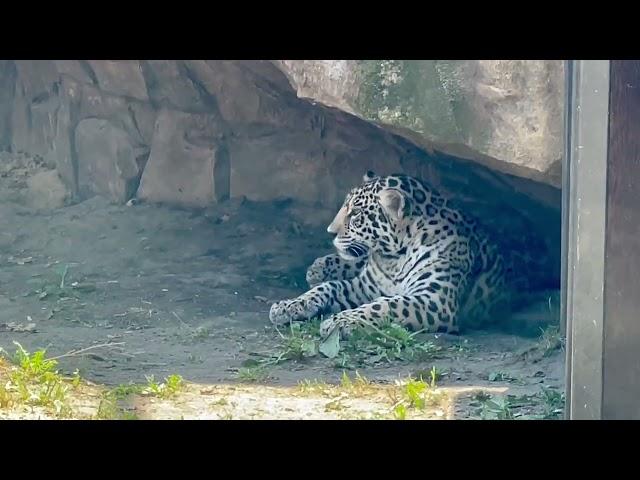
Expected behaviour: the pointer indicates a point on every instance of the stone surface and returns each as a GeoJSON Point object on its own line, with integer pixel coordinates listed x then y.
{"type": "Point", "coordinates": [79, 70]}
{"type": "Point", "coordinates": [45, 191]}
{"type": "Point", "coordinates": [331, 82]}
{"type": "Point", "coordinates": [109, 163]}
{"type": "Point", "coordinates": [7, 90]}
{"type": "Point", "coordinates": [170, 85]}
{"type": "Point", "coordinates": [506, 114]}
{"type": "Point", "coordinates": [120, 77]}
{"type": "Point", "coordinates": [251, 95]}
{"type": "Point", "coordinates": [34, 107]}
{"type": "Point", "coordinates": [502, 114]}
{"type": "Point", "coordinates": [317, 163]}
{"type": "Point", "coordinates": [189, 161]}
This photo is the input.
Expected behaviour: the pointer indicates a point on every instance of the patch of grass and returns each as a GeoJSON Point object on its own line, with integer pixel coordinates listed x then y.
{"type": "Point", "coordinates": [434, 375]}
{"type": "Point", "coordinates": [56, 286]}
{"type": "Point", "coordinates": [462, 346]}
{"type": "Point", "coordinates": [194, 359]}
{"type": "Point", "coordinates": [190, 335]}
{"type": "Point", "coordinates": [548, 404]}
{"type": "Point", "coordinates": [551, 340]}
{"type": "Point", "coordinates": [123, 391]}
{"type": "Point", "coordinates": [110, 410]}
{"type": "Point", "coordinates": [313, 387]}
{"type": "Point", "coordinates": [554, 404]}
{"type": "Point", "coordinates": [334, 405]}
{"type": "Point", "coordinates": [32, 380]}
{"type": "Point", "coordinates": [367, 346]}
{"type": "Point", "coordinates": [61, 295]}
{"type": "Point", "coordinates": [403, 399]}
{"type": "Point", "coordinates": [252, 374]}
{"type": "Point", "coordinates": [497, 409]}
{"type": "Point", "coordinates": [388, 343]}
{"type": "Point", "coordinates": [201, 332]}
{"type": "Point", "coordinates": [481, 396]}
{"type": "Point", "coordinates": [301, 342]}
{"type": "Point", "coordinates": [357, 385]}
{"type": "Point", "coordinates": [414, 391]}
{"type": "Point", "coordinates": [400, 411]}
{"type": "Point", "coordinates": [167, 389]}
{"type": "Point", "coordinates": [415, 394]}
{"type": "Point", "coordinates": [500, 376]}
{"type": "Point", "coordinates": [171, 386]}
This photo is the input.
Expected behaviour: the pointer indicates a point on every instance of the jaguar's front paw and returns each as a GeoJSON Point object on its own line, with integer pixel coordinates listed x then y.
{"type": "Point", "coordinates": [344, 323]}
{"type": "Point", "coordinates": [287, 311]}
{"type": "Point", "coordinates": [316, 273]}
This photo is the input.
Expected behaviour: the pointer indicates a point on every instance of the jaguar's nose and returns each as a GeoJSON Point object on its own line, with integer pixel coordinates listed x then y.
{"type": "Point", "coordinates": [334, 228]}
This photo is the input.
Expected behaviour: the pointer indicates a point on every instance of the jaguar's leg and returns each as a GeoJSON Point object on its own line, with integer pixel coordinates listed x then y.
{"type": "Point", "coordinates": [326, 298]}
{"type": "Point", "coordinates": [430, 312]}
{"type": "Point", "coordinates": [333, 267]}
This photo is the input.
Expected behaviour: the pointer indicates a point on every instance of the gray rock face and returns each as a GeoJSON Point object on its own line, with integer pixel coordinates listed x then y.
{"type": "Point", "coordinates": [170, 86]}
{"type": "Point", "coordinates": [122, 78]}
{"type": "Point", "coordinates": [34, 106]}
{"type": "Point", "coordinates": [45, 191]}
{"type": "Point", "coordinates": [506, 114]}
{"type": "Point", "coordinates": [7, 87]}
{"type": "Point", "coordinates": [189, 162]}
{"type": "Point", "coordinates": [109, 163]}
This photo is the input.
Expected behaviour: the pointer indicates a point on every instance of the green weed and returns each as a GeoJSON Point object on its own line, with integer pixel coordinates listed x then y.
{"type": "Point", "coordinates": [369, 345]}
{"type": "Point", "coordinates": [257, 373]}
{"type": "Point", "coordinates": [169, 388]}
{"type": "Point", "coordinates": [551, 340]}
{"type": "Point", "coordinates": [33, 380]}
{"type": "Point", "coordinates": [497, 409]}
{"type": "Point", "coordinates": [416, 394]}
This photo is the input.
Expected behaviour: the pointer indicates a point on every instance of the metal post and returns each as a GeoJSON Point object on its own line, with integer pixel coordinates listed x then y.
{"type": "Point", "coordinates": [584, 242]}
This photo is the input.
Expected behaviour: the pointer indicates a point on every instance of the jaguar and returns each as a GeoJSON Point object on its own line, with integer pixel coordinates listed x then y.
{"type": "Point", "coordinates": [405, 255]}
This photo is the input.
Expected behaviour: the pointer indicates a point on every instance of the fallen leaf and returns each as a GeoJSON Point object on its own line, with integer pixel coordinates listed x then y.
{"type": "Point", "coordinates": [331, 346]}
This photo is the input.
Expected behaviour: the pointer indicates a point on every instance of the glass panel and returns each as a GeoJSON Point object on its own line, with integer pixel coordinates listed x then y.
{"type": "Point", "coordinates": [281, 239]}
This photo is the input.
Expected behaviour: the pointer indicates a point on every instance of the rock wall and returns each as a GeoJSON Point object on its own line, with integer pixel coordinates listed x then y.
{"type": "Point", "coordinates": [195, 132]}
{"type": "Point", "coordinates": [185, 132]}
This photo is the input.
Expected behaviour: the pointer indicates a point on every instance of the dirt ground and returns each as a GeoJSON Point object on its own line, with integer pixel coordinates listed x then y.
{"type": "Point", "coordinates": [188, 292]}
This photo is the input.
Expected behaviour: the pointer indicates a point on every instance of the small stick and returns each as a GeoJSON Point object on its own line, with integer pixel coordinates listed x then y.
{"type": "Point", "coordinates": [277, 330]}
{"type": "Point", "coordinates": [180, 319]}
{"type": "Point", "coordinates": [83, 351]}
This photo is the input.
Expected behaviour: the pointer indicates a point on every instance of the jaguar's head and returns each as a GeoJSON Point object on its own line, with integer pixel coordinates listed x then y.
{"type": "Point", "coordinates": [370, 219]}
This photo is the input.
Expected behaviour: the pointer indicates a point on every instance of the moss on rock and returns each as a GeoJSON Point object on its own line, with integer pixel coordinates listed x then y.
{"type": "Point", "coordinates": [410, 94]}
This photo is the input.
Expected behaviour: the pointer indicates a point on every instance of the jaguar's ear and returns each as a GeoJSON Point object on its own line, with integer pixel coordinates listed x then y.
{"type": "Point", "coordinates": [394, 202]}
{"type": "Point", "coordinates": [367, 177]}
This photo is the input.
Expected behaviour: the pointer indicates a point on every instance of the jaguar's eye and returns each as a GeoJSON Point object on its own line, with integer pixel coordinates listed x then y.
{"type": "Point", "coordinates": [356, 218]}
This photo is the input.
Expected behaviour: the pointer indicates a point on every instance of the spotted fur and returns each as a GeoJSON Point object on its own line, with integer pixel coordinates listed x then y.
{"type": "Point", "coordinates": [405, 255]}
